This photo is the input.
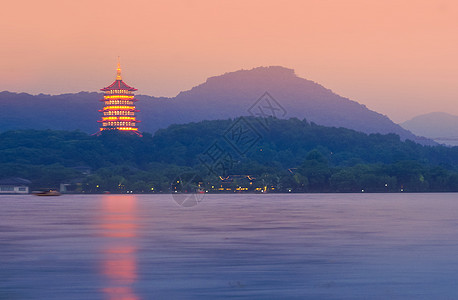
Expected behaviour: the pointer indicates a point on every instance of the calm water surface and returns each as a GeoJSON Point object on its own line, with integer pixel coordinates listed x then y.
{"type": "Point", "coordinates": [293, 246]}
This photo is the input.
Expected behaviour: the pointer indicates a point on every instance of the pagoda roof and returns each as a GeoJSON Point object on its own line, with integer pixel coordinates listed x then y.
{"type": "Point", "coordinates": [118, 85]}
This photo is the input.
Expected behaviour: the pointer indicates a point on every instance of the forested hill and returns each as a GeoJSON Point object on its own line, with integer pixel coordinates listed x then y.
{"type": "Point", "coordinates": [282, 154]}
{"type": "Point", "coordinates": [229, 95]}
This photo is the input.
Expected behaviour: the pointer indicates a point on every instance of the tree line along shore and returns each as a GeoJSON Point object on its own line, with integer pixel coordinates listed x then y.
{"type": "Point", "coordinates": [234, 155]}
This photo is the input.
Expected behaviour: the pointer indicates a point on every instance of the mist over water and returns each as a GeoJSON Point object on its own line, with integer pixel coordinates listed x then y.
{"type": "Point", "coordinates": [274, 246]}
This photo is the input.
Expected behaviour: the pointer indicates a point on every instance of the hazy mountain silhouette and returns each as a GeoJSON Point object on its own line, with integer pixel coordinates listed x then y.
{"type": "Point", "coordinates": [220, 97]}
{"type": "Point", "coordinates": [63, 112]}
{"type": "Point", "coordinates": [438, 126]}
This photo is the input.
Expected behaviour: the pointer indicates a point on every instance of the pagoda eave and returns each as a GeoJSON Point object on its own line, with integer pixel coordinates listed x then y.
{"type": "Point", "coordinates": [118, 85]}
{"type": "Point", "coordinates": [133, 100]}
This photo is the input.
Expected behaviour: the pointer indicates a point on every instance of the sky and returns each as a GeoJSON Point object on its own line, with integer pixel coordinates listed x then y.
{"type": "Point", "coordinates": [397, 57]}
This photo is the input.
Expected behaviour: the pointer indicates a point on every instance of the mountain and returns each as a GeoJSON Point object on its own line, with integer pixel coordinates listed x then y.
{"type": "Point", "coordinates": [234, 94]}
{"type": "Point", "coordinates": [62, 112]}
{"type": "Point", "coordinates": [438, 126]}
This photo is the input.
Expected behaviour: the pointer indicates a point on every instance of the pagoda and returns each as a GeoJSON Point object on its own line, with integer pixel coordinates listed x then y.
{"type": "Point", "coordinates": [119, 110]}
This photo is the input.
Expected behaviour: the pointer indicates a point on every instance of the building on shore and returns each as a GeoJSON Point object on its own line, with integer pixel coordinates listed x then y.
{"type": "Point", "coordinates": [119, 107]}
{"type": "Point", "coordinates": [14, 186]}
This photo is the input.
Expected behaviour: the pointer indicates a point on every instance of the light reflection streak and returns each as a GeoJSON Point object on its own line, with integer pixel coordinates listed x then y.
{"type": "Point", "coordinates": [119, 262]}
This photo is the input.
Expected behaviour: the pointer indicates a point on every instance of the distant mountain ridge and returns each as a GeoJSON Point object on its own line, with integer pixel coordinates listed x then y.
{"type": "Point", "coordinates": [438, 126]}
{"type": "Point", "coordinates": [226, 96]}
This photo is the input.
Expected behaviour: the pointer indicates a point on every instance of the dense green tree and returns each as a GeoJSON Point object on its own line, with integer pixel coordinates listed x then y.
{"type": "Point", "coordinates": [291, 155]}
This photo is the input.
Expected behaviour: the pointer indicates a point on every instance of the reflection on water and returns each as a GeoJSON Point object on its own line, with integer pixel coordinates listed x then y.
{"type": "Point", "coordinates": [119, 230]}
{"type": "Point", "coordinates": [272, 246]}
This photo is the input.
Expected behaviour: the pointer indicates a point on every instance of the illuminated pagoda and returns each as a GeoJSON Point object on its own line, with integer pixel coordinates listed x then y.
{"type": "Point", "coordinates": [119, 110]}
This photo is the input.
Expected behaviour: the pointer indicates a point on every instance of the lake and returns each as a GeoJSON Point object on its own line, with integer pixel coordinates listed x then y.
{"type": "Point", "coordinates": [238, 246]}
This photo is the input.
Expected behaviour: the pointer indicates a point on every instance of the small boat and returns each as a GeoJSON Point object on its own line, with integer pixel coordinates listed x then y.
{"type": "Point", "coordinates": [200, 191]}
{"type": "Point", "coordinates": [46, 193]}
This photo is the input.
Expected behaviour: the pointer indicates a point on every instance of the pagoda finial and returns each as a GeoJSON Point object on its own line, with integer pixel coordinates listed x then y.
{"type": "Point", "coordinates": [118, 71]}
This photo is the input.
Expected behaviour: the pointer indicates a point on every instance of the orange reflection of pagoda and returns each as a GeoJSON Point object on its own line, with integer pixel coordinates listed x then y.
{"type": "Point", "coordinates": [119, 110]}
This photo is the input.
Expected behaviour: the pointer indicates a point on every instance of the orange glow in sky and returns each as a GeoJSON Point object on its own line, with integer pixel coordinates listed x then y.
{"type": "Point", "coordinates": [397, 57]}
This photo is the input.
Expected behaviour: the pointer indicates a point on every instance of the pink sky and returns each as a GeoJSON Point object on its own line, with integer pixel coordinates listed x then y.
{"type": "Point", "coordinates": [397, 57]}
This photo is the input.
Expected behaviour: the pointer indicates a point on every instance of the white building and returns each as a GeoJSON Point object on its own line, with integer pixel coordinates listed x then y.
{"type": "Point", "coordinates": [14, 186]}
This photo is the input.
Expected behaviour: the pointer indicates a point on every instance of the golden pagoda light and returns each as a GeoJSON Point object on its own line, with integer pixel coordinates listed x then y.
{"type": "Point", "coordinates": [119, 106]}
